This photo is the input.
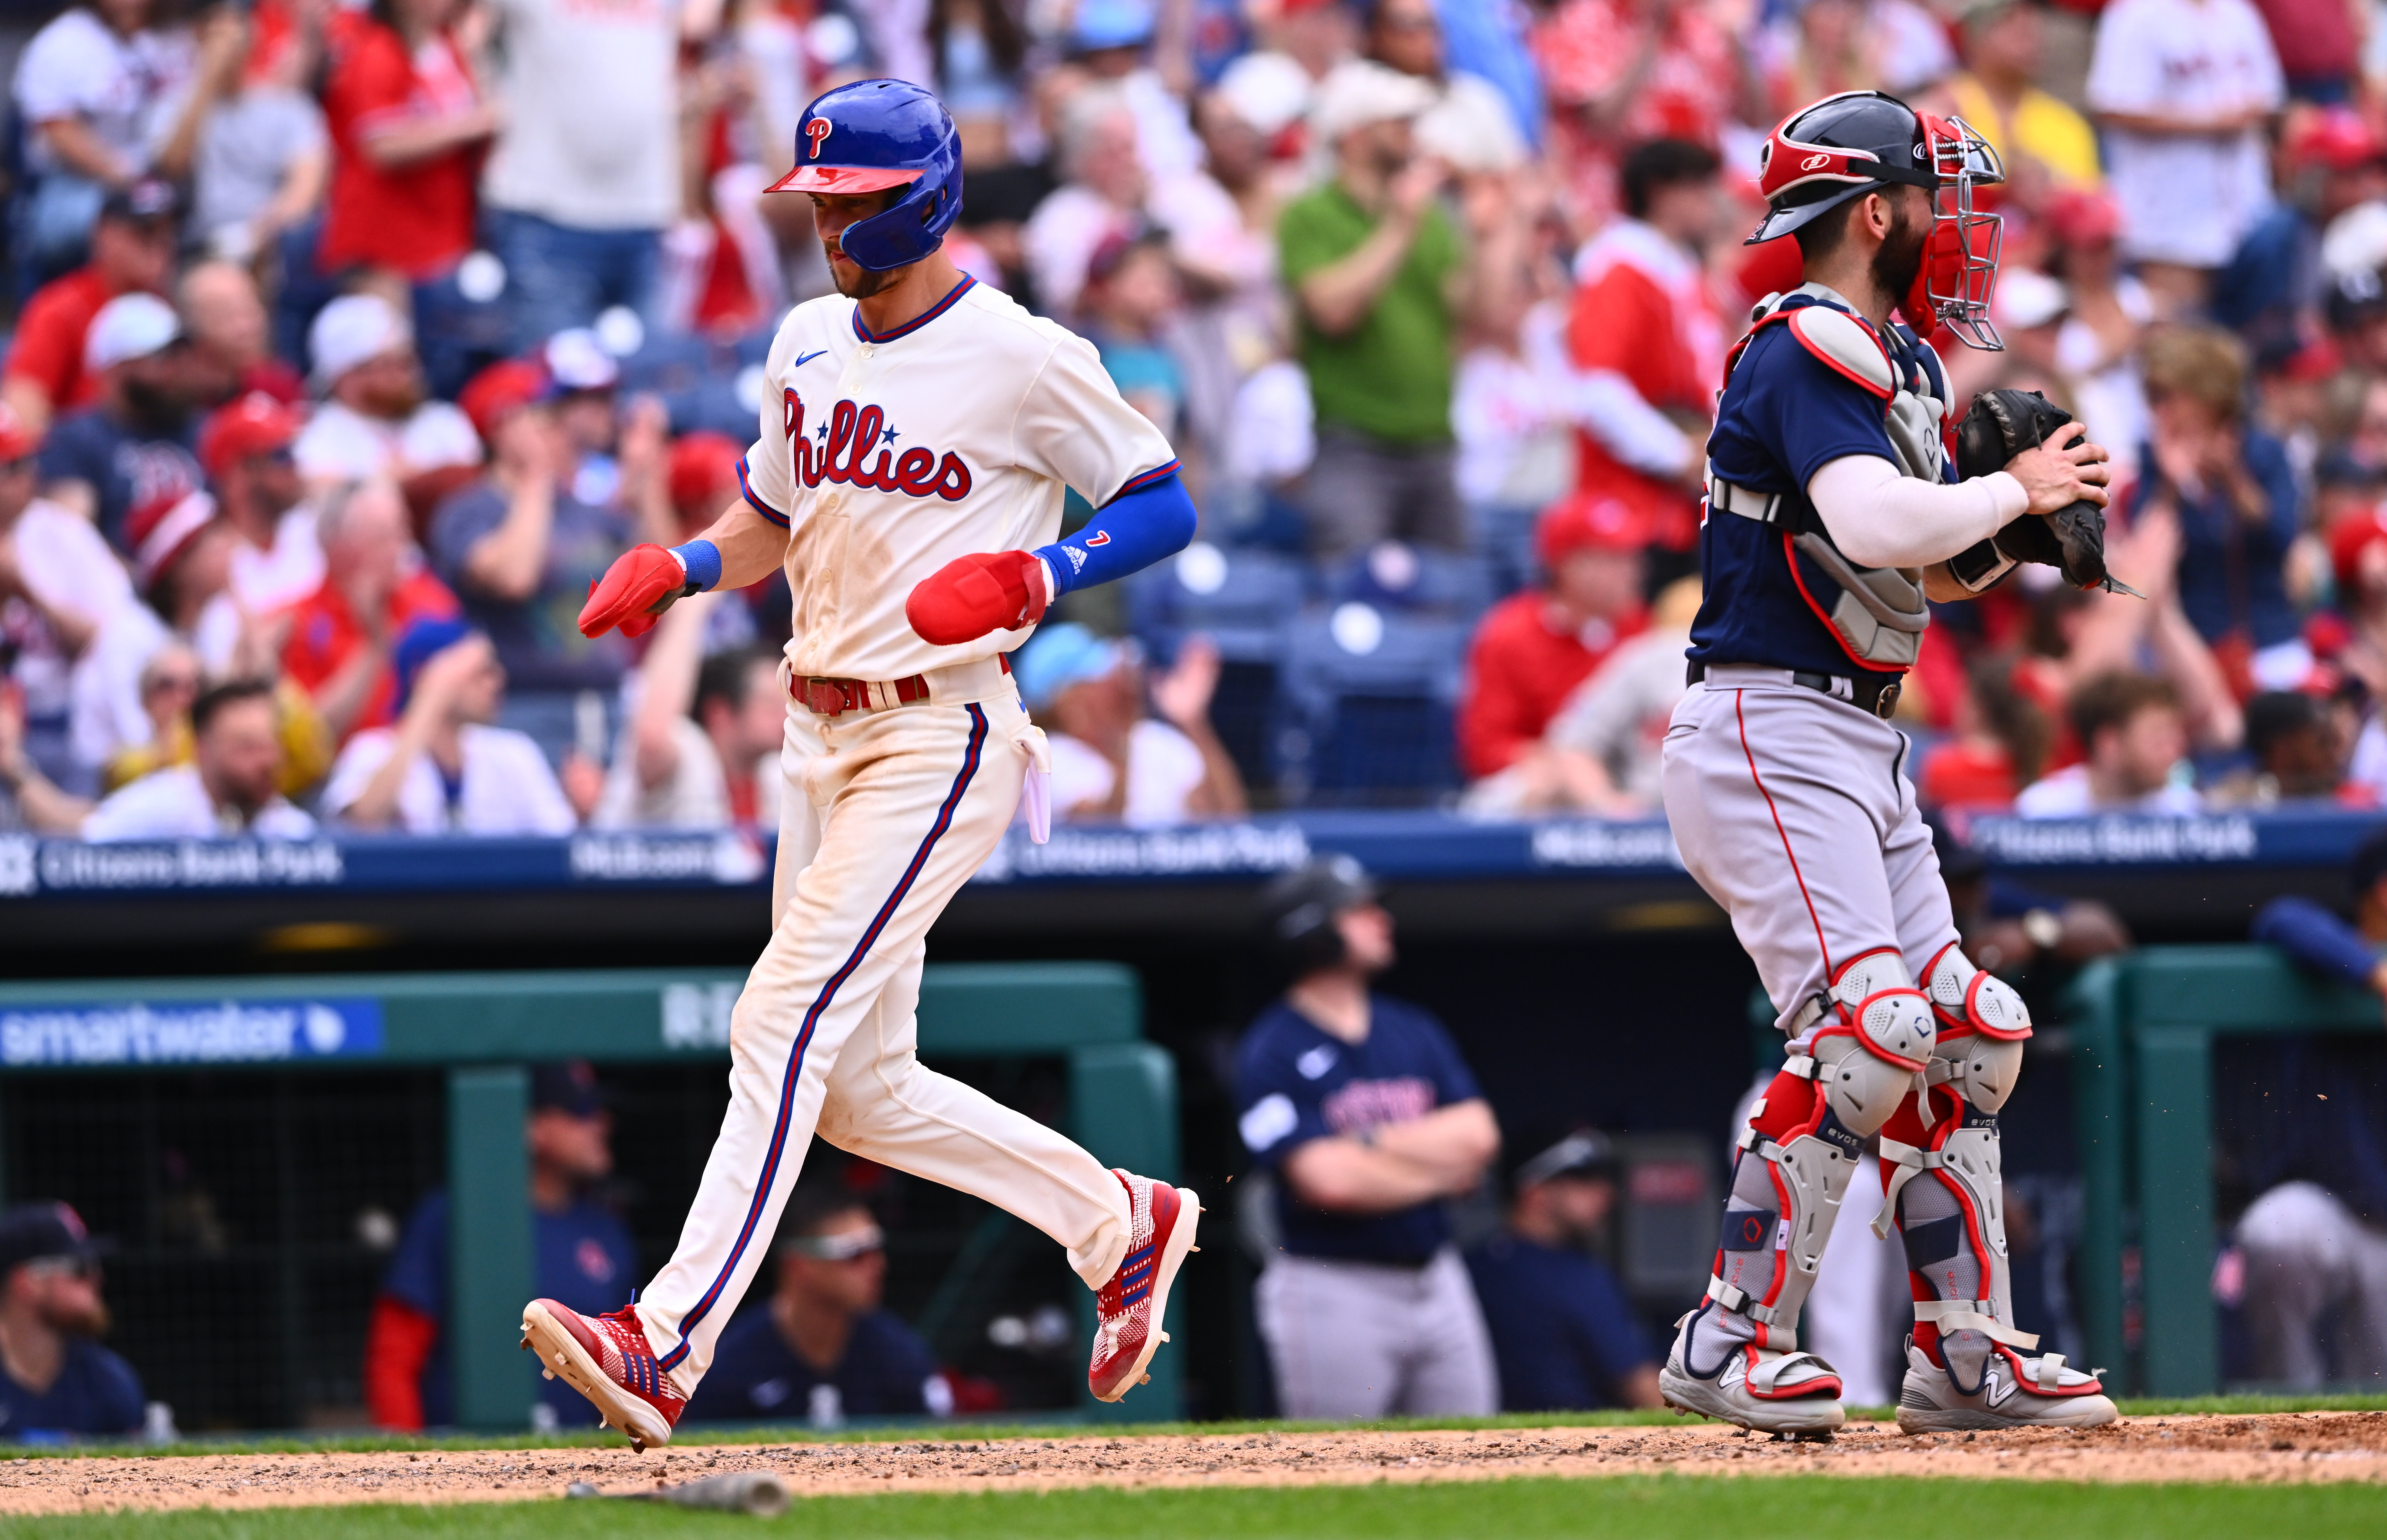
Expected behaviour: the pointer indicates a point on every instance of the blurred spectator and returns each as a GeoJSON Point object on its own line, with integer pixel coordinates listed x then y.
{"type": "Point", "coordinates": [253, 144]}
{"type": "Point", "coordinates": [229, 789]}
{"type": "Point", "coordinates": [1111, 41]}
{"type": "Point", "coordinates": [2329, 219]}
{"type": "Point", "coordinates": [131, 252]}
{"type": "Point", "coordinates": [60, 586]}
{"type": "Point", "coordinates": [171, 682]}
{"type": "Point", "coordinates": [1110, 761]}
{"type": "Point", "coordinates": [1625, 71]}
{"type": "Point", "coordinates": [1101, 194]}
{"type": "Point", "coordinates": [32, 801]}
{"type": "Point", "coordinates": [2320, 44]}
{"type": "Point", "coordinates": [1470, 127]}
{"type": "Point", "coordinates": [1130, 292]}
{"type": "Point", "coordinates": [702, 743]}
{"type": "Point", "coordinates": [2128, 727]}
{"type": "Point", "coordinates": [57, 1382]}
{"type": "Point", "coordinates": [231, 343]}
{"type": "Point", "coordinates": [91, 89]}
{"type": "Point", "coordinates": [587, 175]}
{"type": "Point", "coordinates": [410, 125]}
{"type": "Point", "coordinates": [2044, 144]}
{"type": "Point", "coordinates": [1562, 1326]}
{"type": "Point", "coordinates": [978, 49]}
{"type": "Point", "coordinates": [618, 456]}
{"type": "Point", "coordinates": [1535, 647]}
{"type": "Point", "coordinates": [2184, 90]}
{"type": "Point", "coordinates": [1999, 744]}
{"type": "Point", "coordinates": [1360, 1109]}
{"type": "Point", "coordinates": [1379, 280]}
{"type": "Point", "coordinates": [2235, 498]}
{"type": "Point", "coordinates": [373, 589]}
{"type": "Point", "coordinates": [376, 419]}
{"type": "Point", "coordinates": [822, 1346]}
{"type": "Point", "coordinates": [583, 1257]}
{"type": "Point", "coordinates": [2299, 749]}
{"type": "Point", "coordinates": [245, 448]}
{"type": "Point", "coordinates": [1647, 341]}
{"type": "Point", "coordinates": [2105, 311]}
{"type": "Point", "coordinates": [521, 548]}
{"type": "Point", "coordinates": [1601, 751]}
{"type": "Point", "coordinates": [443, 768]}
{"type": "Point", "coordinates": [133, 446]}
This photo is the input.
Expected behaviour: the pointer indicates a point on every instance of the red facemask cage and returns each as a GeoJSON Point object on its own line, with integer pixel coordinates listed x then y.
{"type": "Point", "coordinates": [1959, 256]}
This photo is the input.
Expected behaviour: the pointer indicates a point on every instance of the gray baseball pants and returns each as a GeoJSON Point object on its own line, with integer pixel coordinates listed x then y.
{"type": "Point", "coordinates": [1793, 810]}
{"type": "Point", "coordinates": [1362, 1339]}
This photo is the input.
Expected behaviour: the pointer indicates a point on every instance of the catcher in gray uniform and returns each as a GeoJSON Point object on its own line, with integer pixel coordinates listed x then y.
{"type": "Point", "coordinates": [1833, 515]}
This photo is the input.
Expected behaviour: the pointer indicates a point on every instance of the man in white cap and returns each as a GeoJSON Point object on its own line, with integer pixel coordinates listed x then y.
{"type": "Point", "coordinates": [1379, 279]}
{"type": "Point", "coordinates": [375, 420]}
{"type": "Point", "coordinates": [133, 446]}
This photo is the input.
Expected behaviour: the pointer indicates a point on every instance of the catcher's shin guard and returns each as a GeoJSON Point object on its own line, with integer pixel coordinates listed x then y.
{"type": "Point", "coordinates": [1967, 1366]}
{"type": "Point", "coordinates": [1866, 1045]}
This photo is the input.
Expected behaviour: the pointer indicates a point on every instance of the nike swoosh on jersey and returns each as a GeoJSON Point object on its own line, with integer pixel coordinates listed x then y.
{"type": "Point", "coordinates": [803, 359]}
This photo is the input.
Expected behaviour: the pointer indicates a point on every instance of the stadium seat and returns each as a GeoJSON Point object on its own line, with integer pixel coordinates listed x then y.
{"type": "Point", "coordinates": [1242, 600]}
{"type": "Point", "coordinates": [1369, 698]}
{"type": "Point", "coordinates": [1418, 580]}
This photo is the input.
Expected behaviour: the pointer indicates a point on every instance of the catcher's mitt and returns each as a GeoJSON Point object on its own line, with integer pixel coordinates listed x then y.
{"type": "Point", "coordinates": [2001, 424]}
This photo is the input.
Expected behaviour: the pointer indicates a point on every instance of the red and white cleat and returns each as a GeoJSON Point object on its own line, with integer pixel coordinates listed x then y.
{"type": "Point", "coordinates": [1160, 1232]}
{"type": "Point", "coordinates": [606, 1358]}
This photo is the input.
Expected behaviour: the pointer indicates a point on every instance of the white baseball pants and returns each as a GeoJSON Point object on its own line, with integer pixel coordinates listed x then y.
{"type": "Point", "coordinates": [885, 814]}
{"type": "Point", "coordinates": [1794, 812]}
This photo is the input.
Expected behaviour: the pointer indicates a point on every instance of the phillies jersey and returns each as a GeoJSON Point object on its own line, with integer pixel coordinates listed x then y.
{"type": "Point", "coordinates": [1786, 413]}
{"type": "Point", "coordinates": [886, 456]}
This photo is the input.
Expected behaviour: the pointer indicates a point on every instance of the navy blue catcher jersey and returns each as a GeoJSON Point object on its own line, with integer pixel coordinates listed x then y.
{"type": "Point", "coordinates": [1785, 414]}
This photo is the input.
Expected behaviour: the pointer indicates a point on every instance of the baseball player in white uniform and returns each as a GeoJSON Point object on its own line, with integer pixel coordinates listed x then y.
{"type": "Point", "coordinates": [919, 437]}
{"type": "Point", "coordinates": [1833, 515]}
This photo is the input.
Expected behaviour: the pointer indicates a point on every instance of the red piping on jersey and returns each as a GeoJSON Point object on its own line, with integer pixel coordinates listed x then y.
{"type": "Point", "coordinates": [1821, 945]}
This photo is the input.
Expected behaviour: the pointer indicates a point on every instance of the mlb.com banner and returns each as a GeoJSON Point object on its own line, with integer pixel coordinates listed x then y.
{"type": "Point", "coordinates": [176, 1032]}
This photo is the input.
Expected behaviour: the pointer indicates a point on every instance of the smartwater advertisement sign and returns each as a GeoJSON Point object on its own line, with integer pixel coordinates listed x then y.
{"type": "Point", "coordinates": [186, 1032]}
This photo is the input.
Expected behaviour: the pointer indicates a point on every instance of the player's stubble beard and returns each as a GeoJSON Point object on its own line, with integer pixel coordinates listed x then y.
{"type": "Point", "coordinates": [853, 280]}
{"type": "Point", "coordinates": [1900, 257]}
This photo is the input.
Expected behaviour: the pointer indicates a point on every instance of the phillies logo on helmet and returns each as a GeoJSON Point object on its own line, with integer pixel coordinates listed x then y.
{"type": "Point", "coordinates": [816, 130]}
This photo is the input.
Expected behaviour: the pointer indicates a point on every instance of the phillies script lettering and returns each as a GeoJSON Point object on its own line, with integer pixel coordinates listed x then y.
{"type": "Point", "coordinates": [843, 455]}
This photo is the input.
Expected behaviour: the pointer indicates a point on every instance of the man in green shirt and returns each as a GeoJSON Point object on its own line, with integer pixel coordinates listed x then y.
{"type": "Point", "coordinates": [1380, 281]}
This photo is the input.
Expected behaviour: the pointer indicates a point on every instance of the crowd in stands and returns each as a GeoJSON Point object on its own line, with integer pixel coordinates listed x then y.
{"type": "Point", "coordinates": [352, 341]}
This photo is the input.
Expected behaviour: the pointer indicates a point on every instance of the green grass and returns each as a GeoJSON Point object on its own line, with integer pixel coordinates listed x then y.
{"type": "Point", "coordinates": [948, 1432]}
{"type": "Point", "coordinates": [1630, 1507]}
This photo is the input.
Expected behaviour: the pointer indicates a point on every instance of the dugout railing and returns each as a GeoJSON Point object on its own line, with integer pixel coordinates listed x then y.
{"type": "Point", "coordinates": [2142, 1026]}
{"type": "Point", "coordinates": [484, 1030]}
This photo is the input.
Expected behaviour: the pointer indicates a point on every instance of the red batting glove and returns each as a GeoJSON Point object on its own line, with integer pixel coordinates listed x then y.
{"type": "Point", "coordinates": [964, 599]}
{"type": "Point", "coordinates": [640, 584]}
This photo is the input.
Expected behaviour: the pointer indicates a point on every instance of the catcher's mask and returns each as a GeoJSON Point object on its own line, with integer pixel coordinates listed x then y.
{"type": "Point", "coordinates": [1858, 141]}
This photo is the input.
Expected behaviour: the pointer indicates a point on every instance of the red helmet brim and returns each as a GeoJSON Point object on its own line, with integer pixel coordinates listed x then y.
{"type": "Point", "coordinates": [844, 179]}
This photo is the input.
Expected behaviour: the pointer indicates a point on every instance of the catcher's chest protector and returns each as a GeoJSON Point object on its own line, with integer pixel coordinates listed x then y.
{"type": "Point", "coordinates": [1878, 613]}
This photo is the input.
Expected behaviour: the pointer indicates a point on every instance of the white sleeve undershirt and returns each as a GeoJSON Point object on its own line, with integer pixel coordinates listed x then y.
{"type": "Point", "coordinates": [1637, 433]}
{"type": "Point", "coordinates": [1881, 519]}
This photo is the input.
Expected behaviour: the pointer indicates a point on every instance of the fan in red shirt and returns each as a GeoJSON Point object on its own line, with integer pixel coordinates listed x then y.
{"type": "Point", "coordinates": [1649, 345]}
{"type": "Point", "coordinates": [342, 634]}
{"type": "Point", "coordinates": [410, 127]}
{"type": "Point", "coordinates": [131, 248]}
{"type": "Point", "coordinates": [1535, 647]}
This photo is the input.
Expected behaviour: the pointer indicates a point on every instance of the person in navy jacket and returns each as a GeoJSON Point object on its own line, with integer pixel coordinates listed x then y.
{"type": "Point", "coordinates": [57, 1382]}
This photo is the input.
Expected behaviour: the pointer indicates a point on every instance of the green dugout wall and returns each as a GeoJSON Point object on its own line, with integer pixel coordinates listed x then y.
{"type": "Point", "coordinates": [485, 1028]}
{"type": "Point", "coordinates": [2142, 1027]}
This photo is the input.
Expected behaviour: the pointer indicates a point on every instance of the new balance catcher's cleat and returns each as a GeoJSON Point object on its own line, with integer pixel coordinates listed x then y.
{"type": "Point", "coordinates": [606, 1358]}
{"type": "Point", "coordinates": [1160, 1231]}
{"type": "Point", "coordinates": [1762, 1388]}
{"type": "Point", "coordinates": [2015, 1392]}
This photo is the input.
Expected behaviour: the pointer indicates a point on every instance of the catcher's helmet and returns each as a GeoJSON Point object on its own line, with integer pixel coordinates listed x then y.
{"type": "Point", "coordinates": [874, 134]}
{"type": "Point", "coordinates": [1301, 905]}
{"type": "Point", "coordinates": [1848, 145]}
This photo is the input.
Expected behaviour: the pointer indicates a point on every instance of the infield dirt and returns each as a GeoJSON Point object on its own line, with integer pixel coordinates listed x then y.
{"type": "Point", "coordinates": [2308, 1446]}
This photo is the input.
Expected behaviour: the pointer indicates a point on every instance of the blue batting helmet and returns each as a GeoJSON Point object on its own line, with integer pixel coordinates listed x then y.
{"type": "Point", "coordinates": [874, 134]}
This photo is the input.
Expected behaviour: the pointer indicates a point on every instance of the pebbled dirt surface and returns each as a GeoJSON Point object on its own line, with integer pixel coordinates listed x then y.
{"type": "Point", "coordinates": [2308, 1446]}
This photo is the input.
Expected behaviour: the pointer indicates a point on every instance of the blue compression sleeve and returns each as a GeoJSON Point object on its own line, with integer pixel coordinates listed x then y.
{"type": "Point", "coordinates": [2315, 938]}
{"type": "Point", "coordinates": [703, 558]}
{"type": "Point", "coordinates": [1152, 518]}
